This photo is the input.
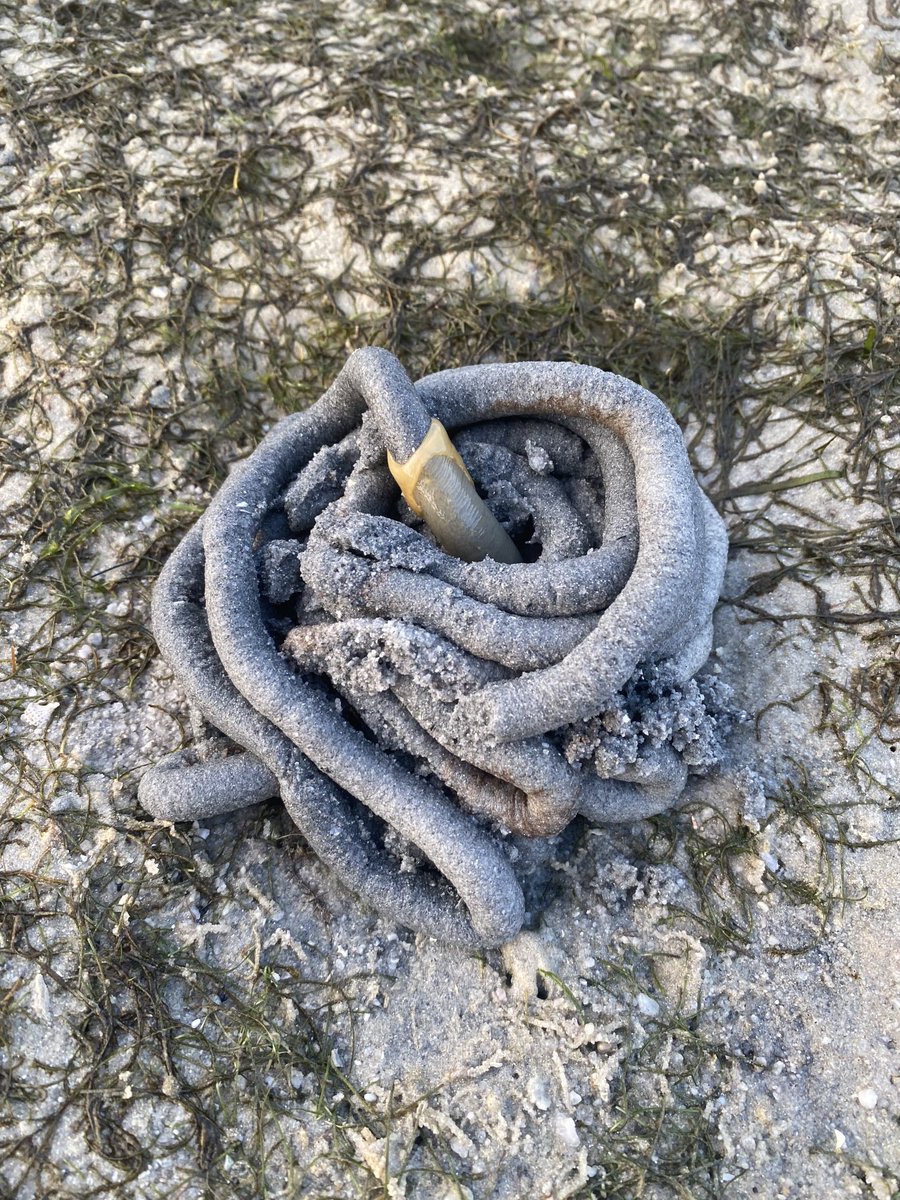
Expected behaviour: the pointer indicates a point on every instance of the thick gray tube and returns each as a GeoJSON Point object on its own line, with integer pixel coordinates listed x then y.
{"type": "Point", "coordinates": [170, 789]}
{"type": "Point", "coordinates": [485, 654]}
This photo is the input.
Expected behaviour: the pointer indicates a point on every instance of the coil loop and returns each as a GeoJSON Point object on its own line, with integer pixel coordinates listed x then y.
{"type": "Point", "coordinates": [390, 691]}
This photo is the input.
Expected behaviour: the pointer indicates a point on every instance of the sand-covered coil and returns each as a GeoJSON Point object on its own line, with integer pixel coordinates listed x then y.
{"type": "Point", "coordinates": [394, 694]}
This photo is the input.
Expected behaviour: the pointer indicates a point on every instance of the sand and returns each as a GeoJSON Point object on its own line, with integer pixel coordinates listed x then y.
{"type": "Point", "coordinates": [201, 217]}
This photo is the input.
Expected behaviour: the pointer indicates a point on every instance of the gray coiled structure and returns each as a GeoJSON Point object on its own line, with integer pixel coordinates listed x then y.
{"type": "Point", "coordinates": [377, 683]}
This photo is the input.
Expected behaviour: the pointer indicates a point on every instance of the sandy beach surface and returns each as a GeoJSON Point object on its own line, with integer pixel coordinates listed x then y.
{"type": "Point", "coordinates": [202, 211]}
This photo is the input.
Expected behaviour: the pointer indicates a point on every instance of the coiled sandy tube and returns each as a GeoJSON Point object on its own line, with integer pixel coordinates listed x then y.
{"type": "Point", "coordinates": [486, 695]}
{"type": "Point", "coordinates": [475, 867]}
{"type": "Point", "coordinates": [659, 595]}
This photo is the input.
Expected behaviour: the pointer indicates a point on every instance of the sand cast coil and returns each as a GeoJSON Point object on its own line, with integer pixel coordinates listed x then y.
{"type": "Point", "coordinates": [348, 658]}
